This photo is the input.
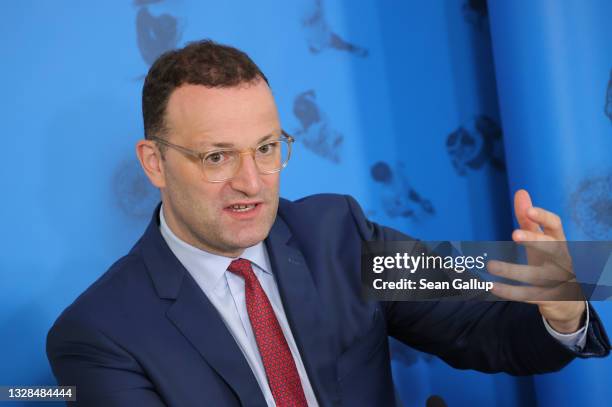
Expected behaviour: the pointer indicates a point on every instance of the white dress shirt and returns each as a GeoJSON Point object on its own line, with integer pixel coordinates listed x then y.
{"type": "Point", "coordinates": [225, 290]}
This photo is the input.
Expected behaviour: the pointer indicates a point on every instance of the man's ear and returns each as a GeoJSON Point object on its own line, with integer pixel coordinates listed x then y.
{"type": "Point", "coordinates": [151, 162]}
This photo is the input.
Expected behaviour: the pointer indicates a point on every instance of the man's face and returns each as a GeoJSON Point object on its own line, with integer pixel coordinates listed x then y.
{"type": "Point", "coordinates": [198, 211]}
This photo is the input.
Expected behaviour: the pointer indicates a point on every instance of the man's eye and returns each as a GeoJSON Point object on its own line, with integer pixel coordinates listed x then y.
{"type": "Point", "coordinates": [214, 158]}
{"type": "Point", "coordinates": [266, 148]}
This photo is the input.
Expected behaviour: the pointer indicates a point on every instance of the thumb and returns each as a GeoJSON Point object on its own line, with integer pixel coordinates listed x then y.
{"type": "Point", "coordinates": [522, 202]}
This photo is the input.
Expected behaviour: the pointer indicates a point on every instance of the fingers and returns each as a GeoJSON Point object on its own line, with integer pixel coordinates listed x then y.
{"type": "Point", "coordinates": [550, 222]}
{"type": "Point", "coordinates": [520, 235]}
{"type": "Point", "coordinates": [544, 276]}
{"type": "Point", "coordinates": [533, 219]}
{"type": "Point", "coordinates": [546, 247]}
{"type": "Point", "coordinates": [570, 291]}
{"type": "Point", "coordinates": [520, 293]}
{"type": "Point", "coordinates": [542, 249]}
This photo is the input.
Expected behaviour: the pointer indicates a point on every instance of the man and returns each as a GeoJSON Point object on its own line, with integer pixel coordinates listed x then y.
{"type": "Point", "coordinates": [234, 298]}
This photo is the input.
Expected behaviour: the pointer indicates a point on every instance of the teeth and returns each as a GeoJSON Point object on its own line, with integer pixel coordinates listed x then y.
{"type": "Point", "coordinates": [242, 208]}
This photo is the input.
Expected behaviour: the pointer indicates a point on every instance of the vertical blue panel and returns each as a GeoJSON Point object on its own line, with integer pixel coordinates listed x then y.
{"type": "Point", "coordinates": [427, 110]}
{"type": "Point", "coordinates": [554, 65]}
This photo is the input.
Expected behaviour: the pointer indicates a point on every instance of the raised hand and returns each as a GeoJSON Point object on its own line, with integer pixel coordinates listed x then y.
{"type": "Point", "coordinates": [548, 275]}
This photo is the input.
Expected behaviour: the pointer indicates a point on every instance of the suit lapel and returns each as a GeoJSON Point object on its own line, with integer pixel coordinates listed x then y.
{"type": "Point", "coordinates": [304, 313]}
{"type": "Point", "coordinates": [195, 316]}
{"type": "Point", "coordinates": [198, 320]}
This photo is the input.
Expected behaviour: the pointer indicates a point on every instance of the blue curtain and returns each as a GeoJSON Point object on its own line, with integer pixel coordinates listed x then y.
{"type": "Point", "coordinates": [430, 113]}
{"type": "Point", "coordinates": [554, 73]}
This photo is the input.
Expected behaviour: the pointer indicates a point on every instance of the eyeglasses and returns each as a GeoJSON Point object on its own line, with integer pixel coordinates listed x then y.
{"type": "Point", "coordinates": [222, 165]}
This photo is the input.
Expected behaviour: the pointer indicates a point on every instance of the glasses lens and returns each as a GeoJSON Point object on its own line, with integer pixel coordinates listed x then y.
{"type": "Point", "coordinates": [221, 165]}
{"type": "Point", "coordinates": [272, 156]}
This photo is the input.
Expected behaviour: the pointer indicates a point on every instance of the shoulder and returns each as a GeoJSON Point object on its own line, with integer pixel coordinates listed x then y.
{"type": "Point", "coordinates": [321, 206]}
{"type": "Point", "coordinates": [333, 215]}
{"type": "Point", "coordinates": [327, 218]}
{"type": "Point", "coordinates": [320, 210]}
{"type": "Point", "coordinates": [111, 293]}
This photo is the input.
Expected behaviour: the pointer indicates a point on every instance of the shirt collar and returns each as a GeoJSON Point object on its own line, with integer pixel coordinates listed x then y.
{"type": "Point", "coordinates": [210, 266]}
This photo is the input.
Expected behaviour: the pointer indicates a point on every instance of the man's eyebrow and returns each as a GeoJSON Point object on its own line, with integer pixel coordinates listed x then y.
{"type": "Point", "coordinates": [231, 145]}
{"type": "Point", "coordinates": [222, 145]}
{"type": "Point", "coordinates": [264, 138]}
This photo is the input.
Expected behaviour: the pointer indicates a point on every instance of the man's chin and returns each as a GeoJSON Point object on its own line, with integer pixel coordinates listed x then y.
{"type": "Point", "coordinates": [242, 243]}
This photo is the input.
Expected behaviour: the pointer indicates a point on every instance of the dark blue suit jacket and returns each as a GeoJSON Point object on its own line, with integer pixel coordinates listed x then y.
{"type": "Point", "coordinates": [144, 334]}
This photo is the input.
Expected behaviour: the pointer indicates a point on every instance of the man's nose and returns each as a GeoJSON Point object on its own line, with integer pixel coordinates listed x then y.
{"type": "Point", "coordinates": [247, 179]}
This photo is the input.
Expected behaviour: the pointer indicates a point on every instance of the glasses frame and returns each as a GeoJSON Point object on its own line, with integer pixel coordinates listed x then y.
{"type": "Point", "coordinates": [200, 155]}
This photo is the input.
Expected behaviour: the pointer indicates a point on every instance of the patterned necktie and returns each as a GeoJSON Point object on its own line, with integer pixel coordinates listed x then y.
{"type": "Point", "coordinates": [283, 376]}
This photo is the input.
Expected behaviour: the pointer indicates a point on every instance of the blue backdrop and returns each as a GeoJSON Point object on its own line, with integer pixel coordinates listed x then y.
{"type": "Point", "coordinates": [430, 113]}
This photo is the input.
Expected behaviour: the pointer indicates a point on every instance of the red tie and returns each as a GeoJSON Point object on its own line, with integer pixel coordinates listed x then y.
{"type": "Point", "coordinates": [280, 367]}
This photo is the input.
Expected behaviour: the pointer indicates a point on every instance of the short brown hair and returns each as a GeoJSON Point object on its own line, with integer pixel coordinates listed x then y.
{"type": "Point", "coordinates": [198, 63]}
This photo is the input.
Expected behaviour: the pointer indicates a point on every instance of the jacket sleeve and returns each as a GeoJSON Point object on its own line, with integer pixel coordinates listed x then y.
{"type": "Point", "coordinates": [486, 336]}
{"type": "Point", "coordinates": [103, 373]}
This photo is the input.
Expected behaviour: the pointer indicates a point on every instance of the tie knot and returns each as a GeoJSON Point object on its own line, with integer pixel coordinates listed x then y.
{"type": "Point", "coordinates": [241, 267]}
